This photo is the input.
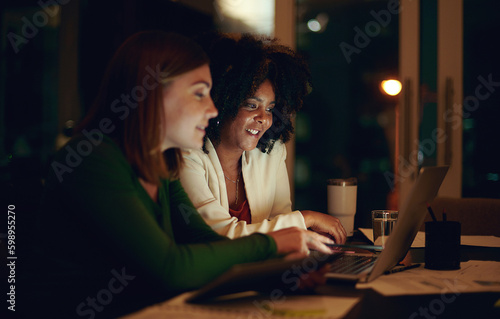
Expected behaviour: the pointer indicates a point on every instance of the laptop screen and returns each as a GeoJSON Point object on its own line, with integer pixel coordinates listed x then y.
{"type": "Point", "coordinates": [411, 217]}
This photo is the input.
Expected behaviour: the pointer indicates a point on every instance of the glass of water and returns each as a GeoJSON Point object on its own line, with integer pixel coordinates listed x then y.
{"type": "Point", "coordinates": [383, 222]}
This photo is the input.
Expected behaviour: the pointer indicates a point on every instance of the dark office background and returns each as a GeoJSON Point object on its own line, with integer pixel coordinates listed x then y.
{"type": "Point", "coordinates": [30, 78]}
{"type": "Point", "coordinates": [345, 129]}
{"type": "Point", "coordinates": [347, 126]}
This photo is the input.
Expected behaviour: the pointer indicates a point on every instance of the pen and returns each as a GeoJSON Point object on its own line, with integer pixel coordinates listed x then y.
{"type": "Point", "coordinates": [394, 270]}
{"type": "Point", "coordinates": [367, 247]}
{"type": "Point", "coordinates": [431, 212]}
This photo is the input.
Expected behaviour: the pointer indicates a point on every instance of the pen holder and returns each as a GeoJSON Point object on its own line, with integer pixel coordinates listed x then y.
{"type": "Point", "coordinates": [442, 245]}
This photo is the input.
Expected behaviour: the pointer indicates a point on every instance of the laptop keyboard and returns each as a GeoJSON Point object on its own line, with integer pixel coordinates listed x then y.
{"type": "Point", "coordinates": [351, 264]}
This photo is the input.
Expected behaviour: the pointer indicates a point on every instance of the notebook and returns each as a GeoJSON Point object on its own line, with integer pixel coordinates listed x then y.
{"type": "Point", "coordinates": [367, 267]}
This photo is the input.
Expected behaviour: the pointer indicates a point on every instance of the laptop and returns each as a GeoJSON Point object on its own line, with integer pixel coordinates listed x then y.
{"type": "Point", "coordinates": [270, 274]}
{"type": "Point", "coordinates": [367, 267]}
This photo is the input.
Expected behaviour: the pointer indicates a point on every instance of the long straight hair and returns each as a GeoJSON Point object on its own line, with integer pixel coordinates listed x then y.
{"type": "Point", "coordinates": [131, 97]}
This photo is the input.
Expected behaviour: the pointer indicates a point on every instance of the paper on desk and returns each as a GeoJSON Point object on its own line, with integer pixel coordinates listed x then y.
{"type": "Point", "coordinates": [419, 241]}
{"type": "Point", "coordinates": [484, 241]}
{"type": "Point", "coordinates": [251, 304]}
{"type": "Point", "coordinates": [473, 276]}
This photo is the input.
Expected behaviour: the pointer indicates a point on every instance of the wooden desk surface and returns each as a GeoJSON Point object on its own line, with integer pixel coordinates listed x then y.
{"type": "Point", "coordinates": [375, 305]}
{"type": "Point", "coordinates": [448, 303]}
{"type": "Point", "coordinates": [444, 305]}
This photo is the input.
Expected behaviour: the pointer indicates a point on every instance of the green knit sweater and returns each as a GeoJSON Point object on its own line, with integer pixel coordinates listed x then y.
{"type": "Point", "coordinates": [103, 236]}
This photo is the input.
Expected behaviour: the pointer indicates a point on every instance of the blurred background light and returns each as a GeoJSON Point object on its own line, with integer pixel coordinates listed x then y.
{"type": "Point", "coordinates": [314, 25]}
{"type": "Point", "coordinates": [319, 23]}
{"type": "Point", "coordinates": [256, 16]}
{"type": "Point", "coordinates": [391, 87]}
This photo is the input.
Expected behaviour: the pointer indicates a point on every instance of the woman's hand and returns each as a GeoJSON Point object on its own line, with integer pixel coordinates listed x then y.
{"type": "Point", "coordinates": [295, 242]}
{"type": "Point", "coordinates": [324, 223]}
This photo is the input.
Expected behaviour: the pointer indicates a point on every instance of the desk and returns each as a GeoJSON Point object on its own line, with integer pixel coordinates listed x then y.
{"type": "Point", "coordinates": [448, 303]}
{"type": "Point", "coordinates": [444, 305]}
{"type": "Point", "coordinates": [374, 305]}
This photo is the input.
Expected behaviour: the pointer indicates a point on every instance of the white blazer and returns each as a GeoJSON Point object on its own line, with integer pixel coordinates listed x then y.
{"type": "Point", "coordinates": [266, 186]}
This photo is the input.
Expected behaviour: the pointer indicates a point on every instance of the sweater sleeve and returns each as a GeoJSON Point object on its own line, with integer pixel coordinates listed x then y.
{"type": "Point", "coordinates": [105, 193]}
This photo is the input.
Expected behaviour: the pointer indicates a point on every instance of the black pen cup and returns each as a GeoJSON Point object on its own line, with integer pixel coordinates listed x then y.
{"type": "Point", "coordinates": [442, 245]}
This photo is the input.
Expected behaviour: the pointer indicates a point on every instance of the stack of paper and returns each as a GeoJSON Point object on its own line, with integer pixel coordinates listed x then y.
{"type": "Point", "coordinates": [419, 241]}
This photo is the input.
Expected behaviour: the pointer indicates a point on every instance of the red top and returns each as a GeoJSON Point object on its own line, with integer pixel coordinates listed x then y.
{"type": "Point", "coordinates": [242, 213]}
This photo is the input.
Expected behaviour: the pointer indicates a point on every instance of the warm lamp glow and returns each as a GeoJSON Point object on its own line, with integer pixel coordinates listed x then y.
{"type": "Point", "coordinates": [391, 87]}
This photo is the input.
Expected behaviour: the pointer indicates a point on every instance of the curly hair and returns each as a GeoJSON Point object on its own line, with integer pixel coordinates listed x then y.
{"type": "Point", "coordinates": [239, 65]}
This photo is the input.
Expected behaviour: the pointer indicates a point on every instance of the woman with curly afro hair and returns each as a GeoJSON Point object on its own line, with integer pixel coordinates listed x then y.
{"type": "Point", "coordinates": [238, 181]}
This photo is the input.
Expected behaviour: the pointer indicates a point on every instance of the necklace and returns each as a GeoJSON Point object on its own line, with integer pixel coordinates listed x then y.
{"type": "Point", "coordinates": [237, 181]}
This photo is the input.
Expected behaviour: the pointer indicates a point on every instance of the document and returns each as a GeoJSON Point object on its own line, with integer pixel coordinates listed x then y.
{"type": "Point", "coordinates": [251, 305]}
{"type": "Point", "coordinates": [466, 240]}
{"type": "Point", "coordinates": [482, 241]}
{"type": "Point", "coordinates": [473, 276]}
{"type": "Point", "coordinates": [418, 242]}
